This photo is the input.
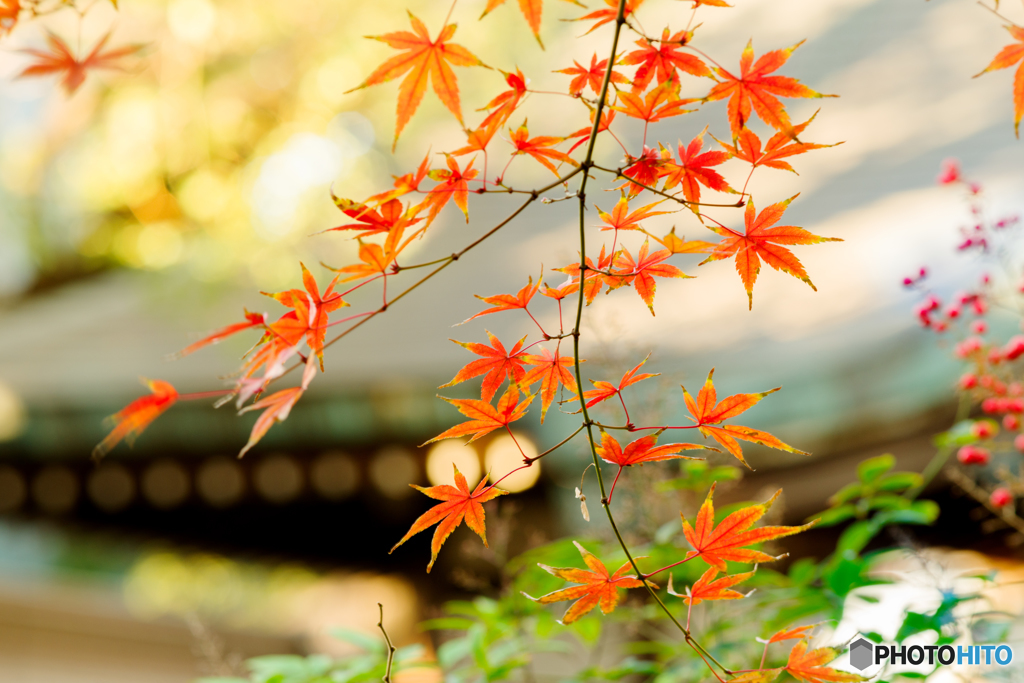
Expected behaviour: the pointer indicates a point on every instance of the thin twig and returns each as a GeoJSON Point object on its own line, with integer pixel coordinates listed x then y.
{"type": "Point", "coordinates": [391, 648]}
{"type": "Point", "coordinates": [619, 174]}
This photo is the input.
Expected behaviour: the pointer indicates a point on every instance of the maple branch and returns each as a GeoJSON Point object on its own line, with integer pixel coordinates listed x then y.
{"type": "Point", "coordinates": [391, 648]}
{"type": "Point", "coordinates": [619, 174]}
{"type": "Point", "coordinates": [556, 446]}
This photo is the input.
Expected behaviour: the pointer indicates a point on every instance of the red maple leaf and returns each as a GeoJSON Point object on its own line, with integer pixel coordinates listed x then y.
{"type": "Point", "coordinates": [708, 412]}
{"type": "Point", "coordinates": [694, 170]}
{"type": "Point", "coordinates": [603, 391]}
{"type": "Point", "coordinates": [551, 370]}
{"type": "Point", "coordinates": [540, 148]}
{"type": "Point", "coordinates": [251, 320]}
{"type": "Point", "coordinates": [748, 147]}
{"type": "Point", "coordinates": [485, 418]}
{"type": "Point", "coordinates": [375, 261]}
{"type": "Point", "coordinates": [496, 364]}
{"type": "Point", "coordinates": [594, 281]}
{"type": "Point", "coordinates": [60, 60]}
{"type": "Point", "coordinates": [716, 545]}
{"type": "Point", "coordinates": [665, 60]}
{"type": "Point", "coordinates": [660, 103]}
{"type": "Point", "coordinates": [452, 185]}
{"type": "Point", "coordinates": [133, 419]}
{"type": "Point", "coordinates": [644, 169]}
{"type": "Point", "coordinates": [598, 587]}
{"type": "Point", "coordinates": [1007, 57]}
{"type": "Point", "coordinates": [643, 450]}
{"type": "Point", "coordinates": [422, 59]}
{"type": "Point", "coordinates": [762, 241]}
{"type": "Point", "coordinates": [606, 16]}
{"type": "Point", "coordinates": [607, 116]}
{"type": "Point", "coordinates": [458, 504]}
{"type": "Point", "coordinates": [756, 91]}
{"type": "Point", "coordinates": [507, 302]}
{"type": "Point", "coordinates": [391, 218]}
{"type": "Point", "coordinates": [642, 271]}
{"type": "Point", "coordinates": [404, 184]}
{"type": "Point", "coordinates": [592, 77]}
{"type": "Point", "coordinates": [709, 588]}
{"type": "Point", "coordinates": [622, 219]}
{"type": "Point", "coordinates": [309, 316]}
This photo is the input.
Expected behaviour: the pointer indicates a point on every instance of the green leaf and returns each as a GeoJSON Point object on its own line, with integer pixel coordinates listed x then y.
{"type": "Point", "coordinates": [846, 494]}
{"type": "Point", "coordinates": [802, 571]}
{"type": "Point", "coordinates": [856, 536]}
{"type": "Point", "coordinates": [919, 512]}
{"type": "Point", "coordinates": [872, 468]}
{"type": "Point", "coordinates": [898, 481]}
{"type": "Point", "coordinates": [888, 501]}
{"type": "Point", "coordinates": [845, 575]}
{"type": "Point", "coordinates": [959, 435]}
{"type": "Point", "coordinates": [446, 623]}
{"type": "Point", "coordinates": [666, 532]}
{"type": "Point", "coordinates": [453, 651]}
{"type": "Point", "coordinates": [836, 515]}
{"type": "Point", "coordinates": [361, 640]}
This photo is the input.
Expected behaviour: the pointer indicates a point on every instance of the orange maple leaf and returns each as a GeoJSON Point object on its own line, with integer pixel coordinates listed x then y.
{"type": "Point", "coordinates": [606, 16]}
{"type": "Point", "coordinates": [375, 261]}
{"type": "Point", "coordinates": [251, 320]}
{"type": "Point", "coordinates": [531, 10]}
{"type": "Point", "coordinates": [133, 419]}
{"type": "Point", "coordinates": [309, 315]}
{"type": "Point", "coordinates": [761, 241]}
{"type": "Point", "coordinates": [404, 184]}
{"type": "Point", "coordinates": [505, 103]}
{"type": "Point", "coordinates": [810, 666]}
{"type": "Point", "coordinates": [797, 633]}
{"type": "Point", "coordinates": [507, 302]}
{"type": "Point", "coordinates": [276, 407]}
{"type": "Point", "coordinates": [391, 218]}
{"type": "Point", "coordinates": [716, 545]}
{"type": "Point", "coordinates": [643, 450]}
{"type": "Point", "coordinates": [592, 77]}
{"type": "Point", "coordinates": [551, 371]}
{"type": "Point", "coordinates": [497, 364]}
{"type": "Point", "coordinates": [607, 116]}
{"type": "Point", "coordinates": [563, 290]}
{"type": "Point", "coordinates": [644, 169]}
{"type": "Point", "coordinates": [666, 60]}
{"type": "Point", "coordinates": [603, 391]}
{"type": "Point", "coordinates": [747, 147]}
{"type": "Point", "coordinates": [539, 148]}
{"type": "Point", "coordinates": [485, 418]}
{"type": "Point", "coordinates": [459, 504]}
{"type": "Point", "coordinates": [760, 675]}
{"type": "Point", "coordinates": [622, 219]}
{"type": "Point", "coordinates": [709, 588]}
{"type": "Point", "coordinates": [678, 245]}
{"type": "Point", "coordinates": [642, 271]}
{"type": "Point", "coordinates": [707, 413]}
{"type": "Point", "coordinates": [9, 13]}
{"type": "Point", "coordinates": [756, 91]}
{"type": "Point", "coordinates": [60, 60]}
{"type": "Point", "coordinates": [423, 59]}
{"type": "Point", "coordinates": [452, 185]}
{"type": "Point", "coordinates": [694, 170]}
{"type": "Point", "coordinates": [598, 587]}
{"type": "Point", "coordinates": [1007, 57]}
{"type": "Point", "coordinates": [660, 103]}
{"type": "Point", "coordinates": [594, 281]}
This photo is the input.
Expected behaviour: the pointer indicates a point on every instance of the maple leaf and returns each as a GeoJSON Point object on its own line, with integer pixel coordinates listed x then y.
{"type": "Point", "coordinates": [276, 407]}
{"type": "Point", "coordinates": [60, 60]}
{"type": "Point", "coordinates": [607, 116]}
{"type": "Point", "coordinates": [459, 504]}
{"type": "Point", "coordinates": [694, 170]}
{"type": "Point", "coordinates": [762, 241]}
{"type": "Point", "coordinates": [622, 219]}
{"type": "Point", "coordinates": [539, 148]}
{"type": "Point", "coordinates": [551, 370]}
{"type": "Point", "coordinates": [756, 91]}
{"type": "Point", "coordinates": [716, 545]}
{"type": "Point", "coordinates": [642, 271]}
{"type": "Point", "coordinates": [404, 184]}
{"type": "Point", "coordinates": [531, 10]}
{"type": "Point", "coordinates": [748, 147]}
{"type": "Point", "coordinates": [423, 59]}
{"type": "Point", "coordinates": [505, 103]}
{"type": "Point", "coordinates": [760, 675]}
{"type": "Point", "coordinates": [660, 103]}
{"type": "Point", "coordinates": [310, 312]}
{"type": "Point", "coordinates": [375, 261]}
{"type": "Point", "coordinates": [507, 302]}
{"type": "Point", "coordinates": [605, 390]}
{"type": "Point", "coordinates": [592, 77]}
{"type": "Point", "coordinates": [678, 245]}
{"type": "Point", "coordinates": [251, 320]}
{"type": "Point", "coordinates": [606, 16]}
{"type": "Point", "coordinates": [133, 419]}
{"type": "Point", "coordinates": [452, 185]}
{"type": "Point", "coordinates": [598, 587]}
{"type": "Point", "coordinates": [643, 450]}
{"type": "Point", "coordinates": [710, 3]}
{"type": "Point", "coordinates": [496, 364]}
{"type": "Point", "coordinates": [709, 588]}
{"type": "Point", "coordinates": [797, 633]}
{"type": "Point", "coordinates": [1007, 57]}
{"type": "Point", "coordinates": [485, 418]}
{"type": "Point", "coordinates": [644, 169]}
{"type": "Point", "coordinates": [568, 287]}
{"type": "Point", "coordinates": [810, 666]}
{"type": "Point", "coordinates": [9, 12]}
{"type": "Point", "coordinates": [391, 218]}
{"type": "Point", "coordinates": [666, 60]}
{"type": "Point", "coordinates": [594, 281]}
{"type": "Point", "coordinates": [707, 413]}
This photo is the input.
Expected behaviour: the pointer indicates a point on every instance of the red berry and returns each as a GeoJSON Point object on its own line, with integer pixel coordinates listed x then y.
{"type": "Point", "coordinates": [968, 380]}
{"type": "Point", "coordinates": [1018, 442]}
{"type": "Point", "coordinates": [973, 455]}
{"type": "Point", "coordinates": [1013, 405]}
{"type": "Point", "coordinates": [990, 405]}
{"type": "Point", "coordinates": [979, 327]}
{"type": "Point", "coordinates": [1011, 422]}
{"type": "Point", "coordinates": [984, 429]}
{"type": "Point", "coordinates": [999, 387]}
{"type": "Point", "coordinates": [1001, 497]}
{"type": "Point", "coordinates": [1014, 348]}
{"type": "Point", "coordinates": [952, 312]}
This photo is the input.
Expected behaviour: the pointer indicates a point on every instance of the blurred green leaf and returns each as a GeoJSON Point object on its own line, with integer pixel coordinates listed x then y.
{"type": "Point", "coordinates": [872, 468]}
{"type": "Point", "coordinates": [836, 515]}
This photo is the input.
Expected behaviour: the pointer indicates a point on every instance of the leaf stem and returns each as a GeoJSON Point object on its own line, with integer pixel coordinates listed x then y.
{"type": "Point", "coordinates": [619, 174]}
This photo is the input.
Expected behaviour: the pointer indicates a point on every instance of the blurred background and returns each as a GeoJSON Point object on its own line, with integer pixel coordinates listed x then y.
{"type": "Point", "coordinates": [151, 206]}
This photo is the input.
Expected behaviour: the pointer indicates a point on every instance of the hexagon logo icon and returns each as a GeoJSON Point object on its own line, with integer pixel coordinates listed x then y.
{"type": "Point", "coordinates": [861, 654]}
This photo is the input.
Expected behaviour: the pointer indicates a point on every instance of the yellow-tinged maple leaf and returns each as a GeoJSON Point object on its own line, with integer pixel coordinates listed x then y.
{"type": "Point", "coordinates": [422, 59]}
{"type": "Point", "coordinates": [591, 78]}
{"type": "Point", "coordinates": [603, 391]}
{"type": "Point", "coordinates": [755, 90]}
{"type": "Point", "coordinates": [761, 675]}
{"type": "Point", "coordinates": [59, 59]}
{"type": "Point", "coordinates": [762, 241]}
{"type": "Point", "coordinates": [507, 302]}
{"type": "Point", "coordinates": [797, 633]}
{"type": "Point", "coordinates": [708, 413]}
{"type": "Point", "coordinates": [276, 407]}
{"type": "Point", "coordinates": [707, 587]}
{"type": "Point", "coordinates": [531, 9]}
{"type": "Point", "coordinates": [496, 364]}
{"type": "Point", "coordinates": [621, 218]}
{"type": "Point", "coordinates": [452, 184]}
{"type": "Point", "coordinates": [133, 419]}
{"type": "Point", "coordinates": [598, 587]}
{"type": "Point", "coordinates": [375, 261]}
{"type": "Point", "coordinates": [1007, 57]}
{"type": "Point", "coordinates": [485, 418]}
{"type": "Point", "coordinates": [717, 545]}
{"type": "Point", "coordinates": [680, 245]}
{"type": "Point", "coordinates": [748, 147]}
{"type": "Point", "coordinates": [643, 450]}
{"type": "Point", "coordinates": [810, 666]}
{"type": "Point", "coordinates": [459, 504]}
{"type": "Point", "coordinates": [660, 103]}
{"type": "Point", "coordinates": [539, 147]}
{"type": "Point", "coordinates": [9, 12]}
